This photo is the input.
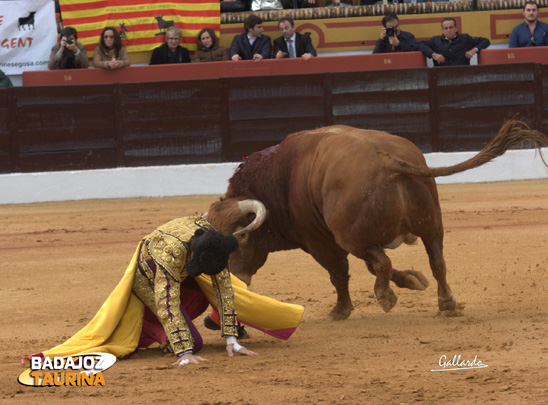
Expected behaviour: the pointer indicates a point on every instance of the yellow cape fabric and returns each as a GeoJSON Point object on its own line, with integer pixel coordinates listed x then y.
{"type": "Point", "coordinates": [254, 309]}
{"type": "Point", "coordinates": [116, 328]}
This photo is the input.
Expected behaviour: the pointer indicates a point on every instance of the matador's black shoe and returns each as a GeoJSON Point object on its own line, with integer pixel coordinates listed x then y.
{"type": "Point", "coordinates": [208, 323]}
{"type": "Point", "coordinates": [242, 333]}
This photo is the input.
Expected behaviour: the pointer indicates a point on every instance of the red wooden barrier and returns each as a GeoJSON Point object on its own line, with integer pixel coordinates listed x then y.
{"type": "Point", "coordinates": [215, 70]}
{"type": "Point", "coordinates": [513, 55]}
{"type": "Point", "coordinates": [93, 126]}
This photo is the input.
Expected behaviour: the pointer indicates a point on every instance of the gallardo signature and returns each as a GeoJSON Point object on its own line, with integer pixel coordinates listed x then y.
{"type": "Point", "coordinates": [457, 364]}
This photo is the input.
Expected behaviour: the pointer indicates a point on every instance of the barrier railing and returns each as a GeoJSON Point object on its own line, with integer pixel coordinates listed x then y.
{"type": "Point", "coordinates": [215, 70]}
{"type": "Point", "coordinates": [89, 126]}
{"type": "Point", "coordinates": [513, 55]}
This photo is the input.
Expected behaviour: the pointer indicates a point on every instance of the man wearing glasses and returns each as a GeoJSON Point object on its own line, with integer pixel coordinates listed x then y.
{"type": "Point", "coordinates": [171, 51]}
{"type": "Point", "coordinates": [393, 39]}
{"type": "Point", "coordinates": [532, 32]}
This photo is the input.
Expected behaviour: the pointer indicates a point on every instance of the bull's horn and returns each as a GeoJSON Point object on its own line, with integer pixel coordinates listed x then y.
{"type": "Point", "coordinates": [252, 206]}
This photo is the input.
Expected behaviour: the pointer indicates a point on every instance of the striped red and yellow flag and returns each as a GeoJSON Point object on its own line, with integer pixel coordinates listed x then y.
{"type": "Point", "coordinates": [141, 23]}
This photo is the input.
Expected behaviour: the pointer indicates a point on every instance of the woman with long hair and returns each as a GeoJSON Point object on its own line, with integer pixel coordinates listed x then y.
{"type": "Point", "coordinates": [209, 49]}
{"type": "Point", "coordinates": [110, 53]}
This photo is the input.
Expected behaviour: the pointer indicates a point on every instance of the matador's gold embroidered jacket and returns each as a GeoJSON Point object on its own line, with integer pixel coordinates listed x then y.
{"type": "Point", "coordinates": [161, 270]}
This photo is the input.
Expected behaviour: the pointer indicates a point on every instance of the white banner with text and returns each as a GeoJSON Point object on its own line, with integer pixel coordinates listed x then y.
{"type": "Point", "coordinates": [28, 31]}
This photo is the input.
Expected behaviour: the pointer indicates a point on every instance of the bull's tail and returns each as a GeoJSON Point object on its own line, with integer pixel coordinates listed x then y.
{"type": "Point", "coordinates": [513, 132]}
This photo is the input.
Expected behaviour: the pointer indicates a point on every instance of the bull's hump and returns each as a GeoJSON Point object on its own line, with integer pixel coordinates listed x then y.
{"type": "Point", "coordinates": [261, 157]}
{"type": "Point", "coordinates": [269, 151]}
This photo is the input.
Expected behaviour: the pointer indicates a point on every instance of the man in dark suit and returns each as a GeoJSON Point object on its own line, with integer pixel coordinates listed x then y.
{"type": "Point", "coordinates": [252, 44]}
{"type": "Point", "coordinates": [292, 44]}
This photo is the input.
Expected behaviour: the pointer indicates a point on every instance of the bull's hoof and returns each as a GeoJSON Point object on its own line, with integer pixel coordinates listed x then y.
{"type": "Point", "coordinates": [447, 303]}
{"type": "Point", "coordinates": [414, 280]}
{"type": "Point", "coordinates": [386, 299]}
{"type": "Point", "coordinates": [339, 314]}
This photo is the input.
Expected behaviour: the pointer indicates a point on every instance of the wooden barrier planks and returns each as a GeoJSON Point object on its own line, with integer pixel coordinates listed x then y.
{"type": "Point", "coordinates": [262, 112]}
{"type": "Point", "coordinates": [473, 101]}
{"type": "Point", "coordinates": [384, 100]}
{"type": "Point", "coordinates": [5, 155]}
{"type": "Point", "coordinates": [64, 128]}
{"type": "Point", "coordinates": [219, 120]}
{"type": "Point", "coordinates": [170, 122]}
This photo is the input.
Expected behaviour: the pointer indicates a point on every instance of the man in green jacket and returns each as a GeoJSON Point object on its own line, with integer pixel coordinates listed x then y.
{"type": "Point", "coordinates": [5, 80]}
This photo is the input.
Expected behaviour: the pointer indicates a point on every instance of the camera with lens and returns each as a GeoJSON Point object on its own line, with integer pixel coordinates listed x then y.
{"type": "Point", "coordinates": [391, 32]}
{"type": "Point", "coordinates": [69, 41]}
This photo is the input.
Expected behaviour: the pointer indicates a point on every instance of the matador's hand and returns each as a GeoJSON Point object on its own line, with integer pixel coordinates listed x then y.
{"type": "Point", "coordinates": [237, 348]}
{"type": "Point", "coordinates": [187, 359]}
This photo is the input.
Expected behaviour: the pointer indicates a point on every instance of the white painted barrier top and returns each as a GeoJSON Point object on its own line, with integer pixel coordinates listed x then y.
{"type": "Point", "coordinates": [164, 181]}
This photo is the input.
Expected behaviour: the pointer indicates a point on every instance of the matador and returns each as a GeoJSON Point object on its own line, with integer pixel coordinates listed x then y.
{"type": "Point", "coordinates": [174, 251]}
{"type": "Point", "coordinates": [176, 272]}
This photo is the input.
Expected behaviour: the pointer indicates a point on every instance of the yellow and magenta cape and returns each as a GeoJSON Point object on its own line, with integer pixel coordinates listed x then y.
{"type": "Point", "coordinates": [118, 325]}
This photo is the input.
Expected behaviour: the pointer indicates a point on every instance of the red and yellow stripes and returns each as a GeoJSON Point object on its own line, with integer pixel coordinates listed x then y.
{"type": "Point", "coordinates": [141, 23]}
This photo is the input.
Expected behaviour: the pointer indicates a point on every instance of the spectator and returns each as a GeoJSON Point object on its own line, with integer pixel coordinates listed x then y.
{"type": "Point", "coordinates": [68, 53]}
{"type": "Point", "coordinates": [452, 48]}
{"type": "Point", "coordinates": [170, 51]}
{"type": "Point", "coordinates": [393, 39]}
{"type": "Point", "coordinates": [209, 49]}
{"type": "Point", "coordinates": [347, 3]}
{"type": "Point", "coordinates": [110, 53]}
{"type": "Point", "coordinates": [252, 44]}
{"type": "Point", "coordinates": [232, 6]}
{"type": "Point", "coordinates": [303, 3]}
{"type": "Point", "coordinates": [532, 32]}
{"type": "Point", "coordinates": [292, 44]}
{"type": "Point", "coordinates": [5, 81]}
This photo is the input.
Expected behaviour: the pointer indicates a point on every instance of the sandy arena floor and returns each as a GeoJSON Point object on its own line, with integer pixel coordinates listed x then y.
{"type": "Point", "coordinates": [61, 260]}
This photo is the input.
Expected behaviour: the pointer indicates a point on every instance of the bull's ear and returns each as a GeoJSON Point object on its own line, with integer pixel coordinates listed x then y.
{"type": "Point", "coordinates": [242, 237]}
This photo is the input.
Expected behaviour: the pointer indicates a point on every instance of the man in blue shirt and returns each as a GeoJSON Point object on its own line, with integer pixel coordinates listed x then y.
{"type": "Point", "coordinates": [532, 32]}
{"type": "Point", "coordinates": [452, 48]}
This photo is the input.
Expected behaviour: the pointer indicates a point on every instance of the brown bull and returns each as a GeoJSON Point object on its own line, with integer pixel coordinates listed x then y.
{"type": "Point", "coordinates": [340, 190]}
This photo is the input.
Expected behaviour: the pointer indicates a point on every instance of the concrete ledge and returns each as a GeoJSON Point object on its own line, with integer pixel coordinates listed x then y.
{"type": "Point", "coordinates": [164, 181]}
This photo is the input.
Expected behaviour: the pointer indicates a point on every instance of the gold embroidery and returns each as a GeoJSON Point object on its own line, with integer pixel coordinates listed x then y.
{"type": "Point", "coordinates": [224, 293]}
{"type": "Point", "coordinates": [144, 291]}
{"type": "Point", "coordinates": [168, 247]}
{"type": "Point", "coordinates": [167, 298]}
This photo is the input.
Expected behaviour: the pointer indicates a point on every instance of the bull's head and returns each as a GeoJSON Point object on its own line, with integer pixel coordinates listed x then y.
{"type": "Point", "coordinates": [242, 218]}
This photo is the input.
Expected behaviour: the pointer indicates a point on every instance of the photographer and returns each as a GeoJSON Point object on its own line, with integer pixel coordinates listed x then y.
{"type": "Point", "coordinates": [392, 39]}
{"type": "Point", "coordinates": [67, 53]}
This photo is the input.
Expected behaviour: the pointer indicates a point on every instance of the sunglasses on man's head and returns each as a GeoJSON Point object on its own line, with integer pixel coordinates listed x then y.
{"type": "Point", "coordinates": [108, 36]}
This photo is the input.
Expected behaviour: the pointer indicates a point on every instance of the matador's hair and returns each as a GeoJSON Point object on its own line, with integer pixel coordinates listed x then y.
{"type": "Point", "coordinates": [210, 250]}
